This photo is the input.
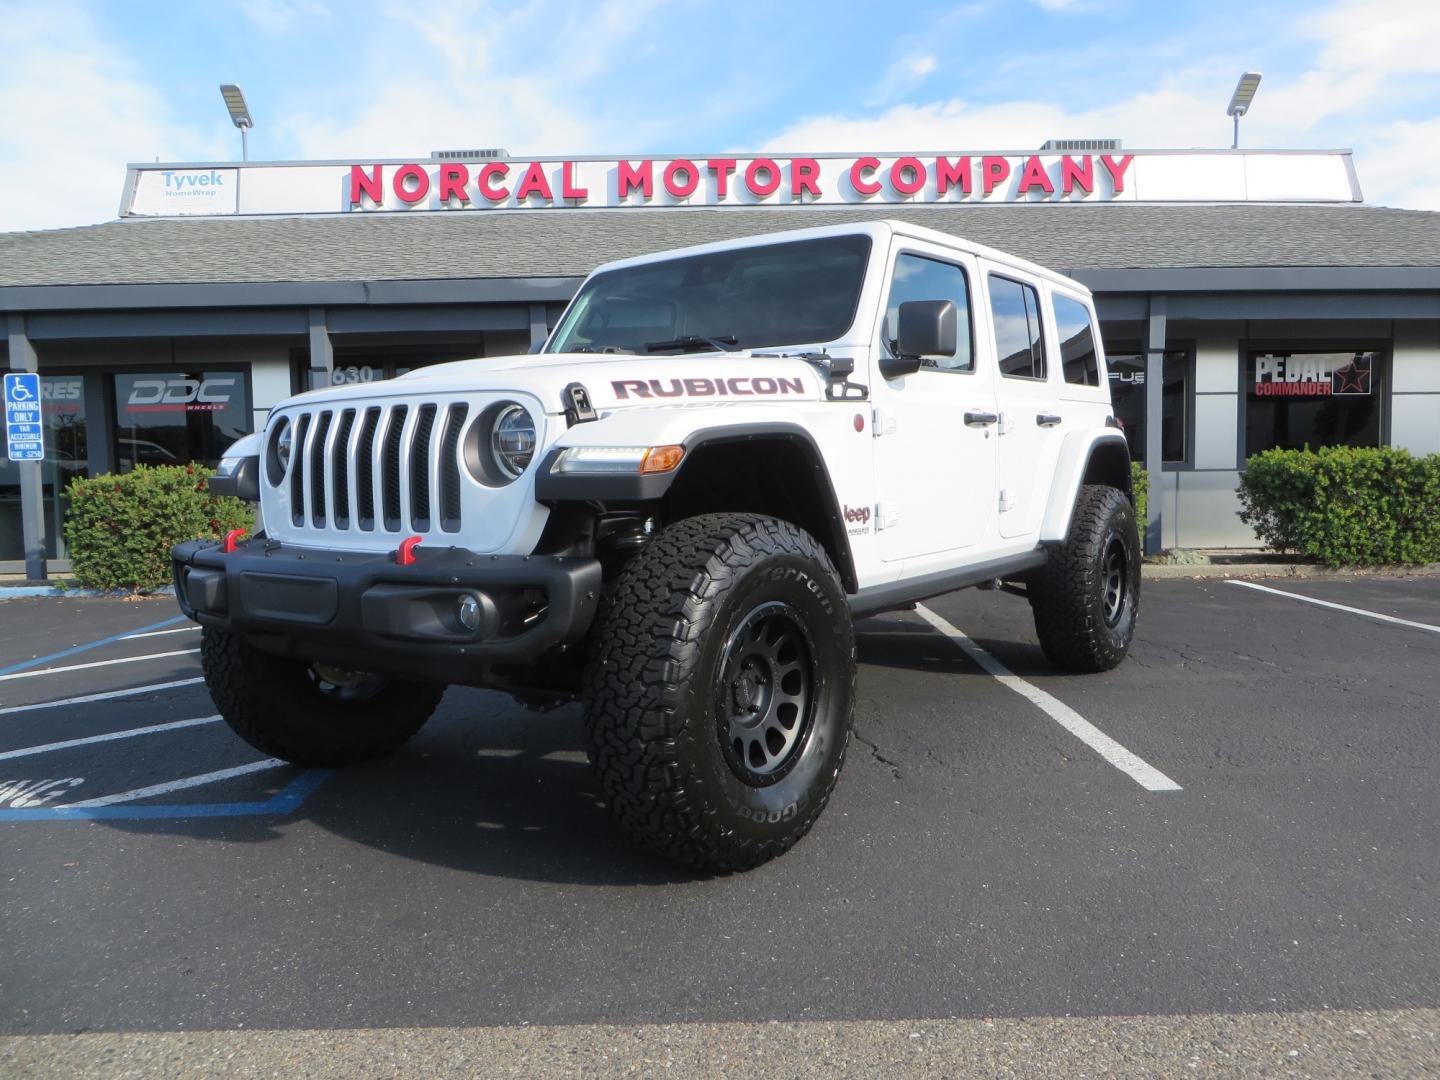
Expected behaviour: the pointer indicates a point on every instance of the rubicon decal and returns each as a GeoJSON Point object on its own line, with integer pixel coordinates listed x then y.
{"type": "Point", "coordinates": [748, 386]}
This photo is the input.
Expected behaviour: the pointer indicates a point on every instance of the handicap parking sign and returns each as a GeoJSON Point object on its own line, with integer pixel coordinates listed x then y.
{"type": "Point", "coordinates": [24, 436]}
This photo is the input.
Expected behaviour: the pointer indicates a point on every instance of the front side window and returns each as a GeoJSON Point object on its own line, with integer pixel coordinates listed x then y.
{"type": "Point", "coordinates": [804, 292]}
{"type": "Point", "coordinates": [1015, 310]}
{"type": "Point", "coordinates": [1078, 356]}
{"type": "Point", "coordinates": [918, 278]}
{"type": "Point", "coordinates": [1308, 398]}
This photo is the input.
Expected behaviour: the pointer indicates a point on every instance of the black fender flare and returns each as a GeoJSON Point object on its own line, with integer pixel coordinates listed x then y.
{"type": "Point", "coordinates": [555, 489]}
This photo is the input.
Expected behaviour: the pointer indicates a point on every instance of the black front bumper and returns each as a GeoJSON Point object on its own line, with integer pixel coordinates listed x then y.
{"type": "Point", "coordinates": [366, 612]}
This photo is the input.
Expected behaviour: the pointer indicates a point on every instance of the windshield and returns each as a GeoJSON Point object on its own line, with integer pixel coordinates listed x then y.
{"type": "Point", "coordinates": [803, 292]}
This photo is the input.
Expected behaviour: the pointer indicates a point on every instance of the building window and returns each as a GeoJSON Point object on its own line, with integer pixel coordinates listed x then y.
{"type": "Point", "coordinates": [1019, 343]}
{"type": "Point", "coordinates": [918, 278]}
{"type": "Point", "coordinates": [1127, 393]}
{"type": "Point", "coordinates": [1077, 342]}
{"type": "Point", "coordinates": [170, 418]}
{"type": "Point", "coordinates": [62, 415]}
{"type": "Point", "coordinates": [1300, 398]}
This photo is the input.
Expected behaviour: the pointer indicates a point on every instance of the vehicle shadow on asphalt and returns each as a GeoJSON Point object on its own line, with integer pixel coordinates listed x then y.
{"type": "Point", "coordinates": [894, 642]}
{"type": "Point", "coordinates": [485, 788]}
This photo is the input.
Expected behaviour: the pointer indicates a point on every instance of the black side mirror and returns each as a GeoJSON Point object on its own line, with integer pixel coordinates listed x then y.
{"type": "Point", "coordinates": [926, 328]}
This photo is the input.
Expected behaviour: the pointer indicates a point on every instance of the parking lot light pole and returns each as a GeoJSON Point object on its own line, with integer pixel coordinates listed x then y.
{"type": "Point", "coordinates": [1240, 102]}
{"type": "Point", "coordinates": [239, 115]}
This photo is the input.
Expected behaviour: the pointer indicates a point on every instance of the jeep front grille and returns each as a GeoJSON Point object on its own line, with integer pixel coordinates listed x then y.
{"type": "Point", "coordinates": [393, 468]}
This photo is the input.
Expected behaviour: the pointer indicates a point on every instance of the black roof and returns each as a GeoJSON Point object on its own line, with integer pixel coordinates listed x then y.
{"type": "Point", "coordinates": [570, 243]}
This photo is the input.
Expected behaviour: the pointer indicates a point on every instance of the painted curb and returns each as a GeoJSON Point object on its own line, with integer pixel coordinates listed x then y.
{"type": "Point", "coordinates": [16, 592]}
{"type": "Point", "coordinates": [1282, 570]}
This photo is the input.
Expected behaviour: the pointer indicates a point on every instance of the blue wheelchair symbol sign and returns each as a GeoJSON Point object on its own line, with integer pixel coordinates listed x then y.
{"type": "Point", "coordinates": [24, 434]}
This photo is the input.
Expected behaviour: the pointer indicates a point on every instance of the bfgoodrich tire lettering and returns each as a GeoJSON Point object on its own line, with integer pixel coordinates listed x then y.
{"type": "Point", "coordinates": [1087, 597]}
{"type": "Point", "coordinates": [665, 662]}
{"type": "Point", "coordinates": [286, 709]}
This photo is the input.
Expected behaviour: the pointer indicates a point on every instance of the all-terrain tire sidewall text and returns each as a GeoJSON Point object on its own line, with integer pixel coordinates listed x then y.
{"type": "Point", "coordinates": [656, 732]}
{"type": "Point", "coordinates": [1078, 629]}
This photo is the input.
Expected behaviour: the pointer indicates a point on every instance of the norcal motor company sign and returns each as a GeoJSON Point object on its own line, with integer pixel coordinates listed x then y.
{"type": "Point", "coordinates": [713, 181]}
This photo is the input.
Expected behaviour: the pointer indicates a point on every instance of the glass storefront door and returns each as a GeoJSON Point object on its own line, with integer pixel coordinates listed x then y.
{"type": "Point", "coordinates": [171, 418]}
{"type": "Point", "coordinates": [62, 412]}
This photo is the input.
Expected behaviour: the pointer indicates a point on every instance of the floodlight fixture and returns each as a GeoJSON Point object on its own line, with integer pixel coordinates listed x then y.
{"type": "Point", "coordinates": [1240, 101]}
{"type": "Point", "coordinates": [239, 115]}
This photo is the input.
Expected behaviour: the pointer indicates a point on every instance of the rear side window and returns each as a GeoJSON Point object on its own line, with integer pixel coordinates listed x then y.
{"type": "Point", "coordinates": [918, 278]}
{"type": "Point", "coordinates": [1078, 357]}
{"type": "Point", "coordinates": [1015, 311]}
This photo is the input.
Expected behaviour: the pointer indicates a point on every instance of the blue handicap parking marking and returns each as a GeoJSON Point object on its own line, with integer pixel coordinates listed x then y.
{"type": "Point", "coordinates": [61, 797]}
{"type": "Point", "coordinates": [286, 801]}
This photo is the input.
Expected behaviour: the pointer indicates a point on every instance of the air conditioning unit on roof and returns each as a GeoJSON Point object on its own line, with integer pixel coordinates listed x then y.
{"type": "Point", "coordinates": [496, 154]}
{"type": "Point", "coordinates": [1081, 146]}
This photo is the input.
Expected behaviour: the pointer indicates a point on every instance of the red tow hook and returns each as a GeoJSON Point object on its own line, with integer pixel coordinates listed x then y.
{"type": "Point", "coordinates": [232, 538]}
{"type": "Point", "coordinates": [406, 555]}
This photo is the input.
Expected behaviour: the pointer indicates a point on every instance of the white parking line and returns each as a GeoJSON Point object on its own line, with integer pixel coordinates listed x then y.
{"type": "Point", "coordinates": [176, 785]}
{"type": "Point", "coordinates": [160, 633]}
{"type": "Point", "coordinates": [110, 736]}
{"type": "Point", "coordinates": [95, 664]}
{"type": "Point", "coordinates": [1337, 607]}
{"type": "Point", "coordinates": [108, 695]}
{"type": "Point", "coordinates": [1139, 770]}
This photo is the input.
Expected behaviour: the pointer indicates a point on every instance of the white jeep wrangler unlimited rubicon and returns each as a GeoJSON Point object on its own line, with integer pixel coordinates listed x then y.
{"type": "Point", "coordinates": [672, 514]}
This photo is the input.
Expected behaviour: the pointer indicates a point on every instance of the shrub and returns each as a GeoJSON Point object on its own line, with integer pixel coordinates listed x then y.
{"type": "Point", "coordinates": [1345, 505]}
{"type": "Point", "coordinates": [119, 529]}
{"type": "Point", "coordinates": [1140, 483]}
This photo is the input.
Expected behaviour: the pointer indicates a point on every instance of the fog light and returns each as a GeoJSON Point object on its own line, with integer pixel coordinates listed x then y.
{"type": "Point", "coordinates": [468, 611]}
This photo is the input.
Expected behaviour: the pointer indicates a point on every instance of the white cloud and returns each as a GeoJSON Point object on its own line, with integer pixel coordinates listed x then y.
{"type": "Point", "coordinates": [282, 16]}
{"type": "Point", "coordinates": [902, 77]}
{"type": "Point", "coordinates": [1401, 166]}
{"type": "Point", "coordinates": [75, 111]}
{"type": "Point", "coordinates": [483, 95]}
{"type": "Point", "coordinates": [1368, 52]}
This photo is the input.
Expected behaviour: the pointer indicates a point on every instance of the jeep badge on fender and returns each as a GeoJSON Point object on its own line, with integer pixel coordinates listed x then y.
{"type": "Point", "coordinates": [673, 513]}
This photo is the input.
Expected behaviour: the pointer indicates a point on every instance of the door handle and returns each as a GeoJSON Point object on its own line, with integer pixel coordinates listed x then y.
{"type": "Point", "coordinates": [1048, 420]}
{"type": "Point", "coordinates": [981, 419]}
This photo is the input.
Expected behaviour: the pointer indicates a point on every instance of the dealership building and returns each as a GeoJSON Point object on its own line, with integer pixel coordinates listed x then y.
{"type": "Point", "coordinates": [1248, 299]}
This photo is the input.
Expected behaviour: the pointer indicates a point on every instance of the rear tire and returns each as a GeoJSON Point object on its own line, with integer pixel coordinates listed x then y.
{"type": "Point", "coordinates": [290, 710]}
{"type": "Point", "coordinates": [720, 689]}
{"type": "Point", "coordinates": [1086, 598]}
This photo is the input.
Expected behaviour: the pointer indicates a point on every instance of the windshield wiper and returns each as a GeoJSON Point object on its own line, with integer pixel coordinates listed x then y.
{"type": "Point", "coordinates": [724, 343]}
{"type": "Point", "coordinates": [601, 349]}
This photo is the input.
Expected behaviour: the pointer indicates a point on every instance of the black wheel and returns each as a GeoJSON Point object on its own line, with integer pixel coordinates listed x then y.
{"type": "Point", "coordinates": [310, 714]}
{"type": "Point", "coordinates": [1086, 598]}
{"type": "Point", "coordinates": [719, 690]}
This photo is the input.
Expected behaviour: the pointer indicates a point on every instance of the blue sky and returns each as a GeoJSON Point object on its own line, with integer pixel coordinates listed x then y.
{"type": "Point", "coordinates": [87, 86]}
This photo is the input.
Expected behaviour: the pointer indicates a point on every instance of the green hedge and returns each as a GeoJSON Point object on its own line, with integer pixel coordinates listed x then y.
{"type": "Point", "coordinates": [119, 529]}
{"type": "Point", "coordinates": [1345, 505]}
{"type": "Point", "coordinates": [1140, 484]}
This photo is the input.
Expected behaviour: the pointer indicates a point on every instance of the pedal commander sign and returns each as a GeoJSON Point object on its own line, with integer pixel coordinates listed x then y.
{"type": "Point", "coordinates": [708, 180]}
{"type": "Point", "coordinates": [1315, 375]}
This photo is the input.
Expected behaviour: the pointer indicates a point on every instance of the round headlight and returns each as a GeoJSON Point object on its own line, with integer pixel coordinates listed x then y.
{"type": "Point", "coordinates": [512, 440]}
{"type": "Point", "coordinates": [278, 460]}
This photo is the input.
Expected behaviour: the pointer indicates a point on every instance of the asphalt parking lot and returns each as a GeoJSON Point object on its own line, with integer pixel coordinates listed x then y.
{"type": "Point", "coordinates": [1240, 822]}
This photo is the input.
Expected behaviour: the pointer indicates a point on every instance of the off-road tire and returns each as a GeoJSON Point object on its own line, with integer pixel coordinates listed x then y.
{"type": "Point", "coordinates": [278, 706]}
{"type": "Point", "coordinates": [1080, 626]}
{"type": "Point", "coordinates": [671, 628]}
